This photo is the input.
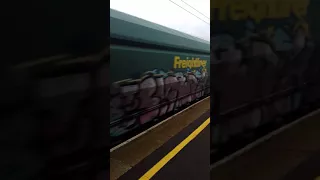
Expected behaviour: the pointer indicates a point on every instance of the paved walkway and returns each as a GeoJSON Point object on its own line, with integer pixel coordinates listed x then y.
{"type": "Point", "coordinates": [292, 154]}
{"type": "Point", "coordinates": [134, 159]}
{"type": "Point", "coordinates": [191, 163]}
{"type": "Point", "coordinates": [309, 169]}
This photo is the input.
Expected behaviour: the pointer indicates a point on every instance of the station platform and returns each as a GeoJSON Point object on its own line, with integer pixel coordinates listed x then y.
{"type": "Point", "coordinates": [179, 148]}
{"type": "Point", "coordinates": [289, 153]}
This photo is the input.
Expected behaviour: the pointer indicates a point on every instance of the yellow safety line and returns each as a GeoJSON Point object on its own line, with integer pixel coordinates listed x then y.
{"type": "Point", "coordinates": [148, 175]}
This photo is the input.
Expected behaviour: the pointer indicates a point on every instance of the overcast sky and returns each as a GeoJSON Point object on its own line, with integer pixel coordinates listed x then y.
{"type": "Point", "coordinates": [170, 15]}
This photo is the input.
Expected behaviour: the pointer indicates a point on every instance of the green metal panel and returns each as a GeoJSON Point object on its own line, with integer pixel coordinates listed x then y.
{"type": "Point", "coordinates": [128, 62]}
{"type": "Point", "coordinates": [132, 28]}
{"type": "Point", "coordinates": [147, 77]}
{"type": "Point", "coordinates": [143, 78]}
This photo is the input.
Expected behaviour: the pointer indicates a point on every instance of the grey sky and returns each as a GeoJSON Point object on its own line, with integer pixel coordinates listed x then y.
{"type": "Point", "coordinates": [170, 15]}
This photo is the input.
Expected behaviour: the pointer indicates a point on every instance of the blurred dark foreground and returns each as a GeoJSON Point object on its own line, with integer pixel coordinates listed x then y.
{"type": "Point", "coordinates": [54, 92]}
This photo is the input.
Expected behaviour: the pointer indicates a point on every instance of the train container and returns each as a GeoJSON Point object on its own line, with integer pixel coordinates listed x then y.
{"type": "Point", "coordinates": [261, 58]}
{"type": "Point", "coordinates": [154, 71]}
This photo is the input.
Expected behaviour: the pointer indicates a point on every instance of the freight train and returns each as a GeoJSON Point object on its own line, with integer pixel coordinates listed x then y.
{"type": "Point", "coordinates": [264, 65]}
{"type": "Point", "coordinates": [154, 70]}
{"type": "Point", "coordinates": [263, 69]}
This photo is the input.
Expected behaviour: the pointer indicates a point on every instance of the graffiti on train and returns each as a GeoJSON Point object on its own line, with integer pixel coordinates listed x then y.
{"type": "Point", "coordinates": [265, 52]}
{"type": "Point", "coordinates": [266, 42]}
{"type": "Point", "coordinates": [255, 59]}
{"type": "Point", "coordinates": [160, 88]}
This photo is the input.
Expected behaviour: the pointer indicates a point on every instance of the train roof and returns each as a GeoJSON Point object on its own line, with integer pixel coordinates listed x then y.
{"type": "Point", "coordinates": [128, 27]}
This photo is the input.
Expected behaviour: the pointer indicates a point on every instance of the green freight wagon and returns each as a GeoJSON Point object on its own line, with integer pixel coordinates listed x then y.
{"type": "Point", "coordinates": [265, 64]}
{"type": "Point", "coordinates": [154, 71]}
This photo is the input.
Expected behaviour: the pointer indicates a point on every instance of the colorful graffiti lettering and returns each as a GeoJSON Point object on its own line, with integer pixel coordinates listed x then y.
{"type": "Point", "coordinates": [256, 61]}
{"type": "Point", "coordinates": [170, 90]}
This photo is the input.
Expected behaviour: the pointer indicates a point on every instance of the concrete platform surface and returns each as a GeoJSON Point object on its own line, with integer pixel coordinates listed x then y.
{"type": "Point", "coordinates": [290, 152]}
{"type": "Point", "coordinates": [129, 155]}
